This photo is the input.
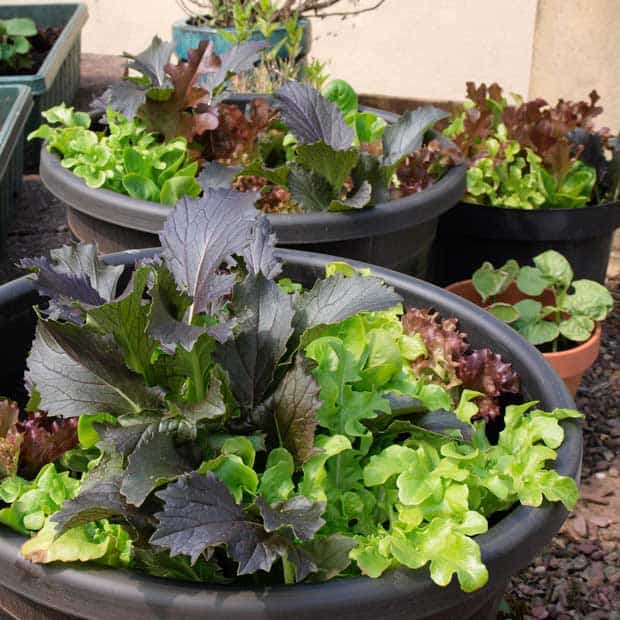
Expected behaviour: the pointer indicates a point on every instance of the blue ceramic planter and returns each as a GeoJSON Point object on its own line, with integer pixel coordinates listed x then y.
{"type": "Point", "coordinates": [186, 37]}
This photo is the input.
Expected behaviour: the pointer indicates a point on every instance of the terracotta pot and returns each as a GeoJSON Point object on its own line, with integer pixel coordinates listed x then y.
{"type": "Point", "coordinates": [571, 364]}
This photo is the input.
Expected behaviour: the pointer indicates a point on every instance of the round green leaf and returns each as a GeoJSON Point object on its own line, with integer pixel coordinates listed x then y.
{"type": "Point", "coordinates": [529, 309]}
{"type": "Point", "coordinates": [577, 328]}
{"type": "Point", "coordinates": [554, 267]}
{"type": "Point", "coordinates": [539, 332]}
{"type": "Point", "coordinates": [589, 299]}
{"type": "Point", "coordinates": [20, 27]}
{"type": "Point", "coordinates": [504, 312]}
{"type": "Point", "coordinates": [531, 281]}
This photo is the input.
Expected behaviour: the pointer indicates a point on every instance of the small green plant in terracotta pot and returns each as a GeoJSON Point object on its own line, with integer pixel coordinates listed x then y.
{"type": "Point", "coordinates": [547, 307]}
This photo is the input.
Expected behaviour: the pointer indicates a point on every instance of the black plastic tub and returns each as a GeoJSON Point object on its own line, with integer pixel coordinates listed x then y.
{"type": "Point", "coordinates": [470, 234]}
{"type": "Point", "coordinates": [15, 106]}
{"type": "Point", "coordinates": [58, 78]}
{"type": "Point", "coordinates": [396, 234]}
{"type": "Point", "coordinates": [37, 591]}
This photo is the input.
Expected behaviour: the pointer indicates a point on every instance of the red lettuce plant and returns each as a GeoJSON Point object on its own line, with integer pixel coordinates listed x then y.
{"type": "Point", "coordinates": [451, 361]}
{"type": "Point", "coordinates": [27, 445]}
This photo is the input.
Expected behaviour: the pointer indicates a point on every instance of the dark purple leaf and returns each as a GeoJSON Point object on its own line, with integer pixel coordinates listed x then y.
{"type": "Point", "coordinates": [260, 256]}
{"type": "Point", "coordinates": [200, 235]}
{"type": "Point", "coordinates": [251, 357]}
{"type": "Point", "coordinates": [298, 514]}
{"type": "Point", "coordinates": [295, 405]}
{"type": "Point", "coordinates": [406, 135]}
{"type": "Point", "coordinates": [312, 118]}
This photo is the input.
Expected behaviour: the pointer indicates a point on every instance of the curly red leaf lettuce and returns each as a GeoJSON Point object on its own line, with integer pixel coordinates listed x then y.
{"type": "Point", "coordinates": [451, 361]}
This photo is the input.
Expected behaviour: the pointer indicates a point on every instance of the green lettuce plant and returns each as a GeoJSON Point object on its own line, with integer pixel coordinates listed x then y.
{"type": "Point", "coordinates": [128, 159]}
{"type": "Point", "coordinates": [234, 425]}
{"type": "Point", "coordinates": [14, 43]}
{"type": "Point", "coordinates": [575, 308]}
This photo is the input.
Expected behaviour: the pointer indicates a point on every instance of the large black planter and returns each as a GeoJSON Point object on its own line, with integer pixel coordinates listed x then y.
{"type": "Point", "coordinates": [397, 234]}
{"type": "Point", "coordinates": [103, 594]}
{"type": "Point", "coordinates": [470, 234]}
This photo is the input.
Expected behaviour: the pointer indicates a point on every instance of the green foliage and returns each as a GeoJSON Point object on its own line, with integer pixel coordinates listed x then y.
{"type": "Point", "coordinates": [129, 160]}
{"type": "Point", "coordinates": [238, 427]}
{"type": "Point", "coordinates": [14, 44]}
{"type": "Point", "coordinates": [576, 306]}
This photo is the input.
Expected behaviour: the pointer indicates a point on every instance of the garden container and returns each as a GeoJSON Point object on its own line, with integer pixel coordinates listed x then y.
{"type": "Point", "coordinates": [104, 594]}
{"type": "Point", "coordinates": [15, 106]}
{"type": "Point", "coordinates": [58, 78]}
{"type": "Point", "coordinates": [396, 234]}
{"type": "Point", "coordinates": [571, 364]}
{"type": "Point", "coordinates": [470, 234]}
{"type": "Point", "coordinates": [186, 37]}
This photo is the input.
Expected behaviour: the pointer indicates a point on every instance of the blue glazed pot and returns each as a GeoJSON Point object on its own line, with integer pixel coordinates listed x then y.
{"type": "Point", "coordinates": [186, 37]}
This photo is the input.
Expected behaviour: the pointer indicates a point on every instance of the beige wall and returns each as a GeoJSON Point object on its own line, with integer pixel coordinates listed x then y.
{"type": "Point", "coordinates": [576, 50]}
{"type": "Point", "coordinates": [409, 48]}
{"type": "Point", "coordinates": [429, 48]}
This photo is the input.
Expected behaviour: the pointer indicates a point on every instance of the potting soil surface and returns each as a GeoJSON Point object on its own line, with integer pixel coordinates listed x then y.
{"type": "Point", "coordinates": [578, 574]}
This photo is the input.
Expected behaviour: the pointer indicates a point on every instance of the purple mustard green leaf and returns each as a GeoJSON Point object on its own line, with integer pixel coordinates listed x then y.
{"type": "Point", "coordinates": [217, 176]}
{"type": "Point", "coordinates": [200, 513]}
{"type": "Point", "coordinates": [359, 200]}
{"type": "Point", "coordinates": [99, 497]}
{"type": "Point", "coordinates": [334, 299]}
{"type": "Point", "coordinates": [124, 97]}
{"type": "Point", "coordinates": [406, 135]}
{"type": "Point", "coordinates": [259, 256]}
{"type": "Point", "coordinates": [295, 406]}
{"type": "Point", "coordinates": [299, 515]}
{"type": "Point", "coordinates": [310, 190]}
{"type": "Point", "coordinates": [152, 61]}
{"type": "Point", "coordinates": [242, 57]}
{"type": "Point", "coordinates": [251, 357]}
{"type": "Point", "coordinates": [154, 462]}
{"type": "Point", "coordinates": [73, 277]}
{"type": "Point", "coordinates": [77, 372]}
{"type": "Point", "coordinates": [202, 234]}
{"type": "Point", "coordinates": [312, 118]}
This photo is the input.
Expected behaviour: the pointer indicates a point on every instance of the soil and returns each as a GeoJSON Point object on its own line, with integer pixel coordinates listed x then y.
{"type": "Point", "coordinates": [42, 43]}
{"type": "Point", "coordinates": [577, 575]}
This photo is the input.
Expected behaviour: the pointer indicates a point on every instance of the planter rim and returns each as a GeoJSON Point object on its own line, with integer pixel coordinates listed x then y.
{"type": "Point", "coordinates": [147, 216]}
{"type": "Point", "coordinates": [182, 23]}
{"type": "Point", "coordinates": [41, 81]}
{"type": "Point", "coordinates": [504, 547]}
{"type": "Point", "coordinates": [13, 124]}
{"type": "Point", "coordinates": [612, 208]}
{"type": "Point", "coordinates": [557, 355]}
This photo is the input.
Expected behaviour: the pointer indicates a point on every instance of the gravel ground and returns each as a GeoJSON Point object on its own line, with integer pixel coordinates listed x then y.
{"type": "Point", "coordinates": [578, 574]}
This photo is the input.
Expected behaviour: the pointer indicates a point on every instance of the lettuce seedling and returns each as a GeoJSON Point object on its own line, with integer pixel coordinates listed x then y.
{"type": "Point", "coordinates": [14, 44]}
{"type": "Point", "coordinates": [575, 308]}
{"type": "Point", "coordinates": [129, 160]}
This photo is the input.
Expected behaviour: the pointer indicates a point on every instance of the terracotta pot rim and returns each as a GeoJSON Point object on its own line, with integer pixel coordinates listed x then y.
{"type": "Point", "coordinates": [581, 347]}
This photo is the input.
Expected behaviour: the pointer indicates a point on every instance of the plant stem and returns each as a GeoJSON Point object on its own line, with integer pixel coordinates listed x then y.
{"type": "Point", "coordinates": [197, 378]}
{"type": "Point", "coordinates": [289, 572]}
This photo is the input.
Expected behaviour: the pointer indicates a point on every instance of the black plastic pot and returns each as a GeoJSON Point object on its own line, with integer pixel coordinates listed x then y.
{"type": "Point", "coordinates": [397, 234]}
{"type": "Point", "coordinates": [470, 234]}
{"type": "Point", "coordinates": [104, 594]}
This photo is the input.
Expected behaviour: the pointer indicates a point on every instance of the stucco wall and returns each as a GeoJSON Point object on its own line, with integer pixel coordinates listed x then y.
{"type": "Point", "coordinates": [409, 48]}
{"type": "Point", "coordinates": [429, 48]}
{"type": "Point", "coordinates": [576, 50]}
